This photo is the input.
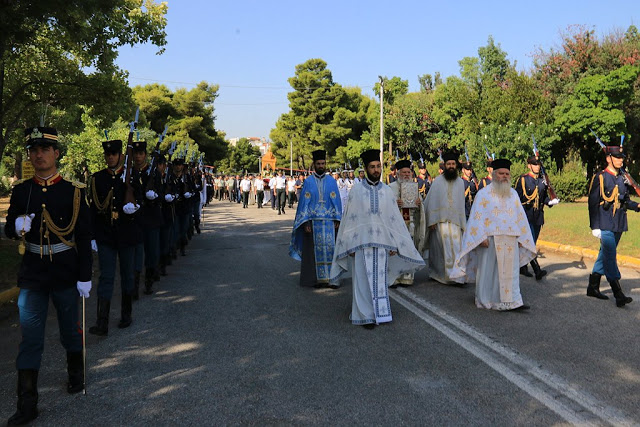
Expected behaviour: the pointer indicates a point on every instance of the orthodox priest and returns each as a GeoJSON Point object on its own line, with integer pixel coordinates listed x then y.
{"type": "Point", "coordinates": [499, 237]}
{"type": "Point", "coordinates": [317, 219]}
{"type": "Point", "coordinates": [445, 221]}
{"type": "Point", "coordinates": [407, 192]}
{"type": "Point", "coordinates": [374, 245]}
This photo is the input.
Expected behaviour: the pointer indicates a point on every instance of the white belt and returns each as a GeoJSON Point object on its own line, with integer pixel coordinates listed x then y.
{"type": "Point", "coordinates": [46, 249]}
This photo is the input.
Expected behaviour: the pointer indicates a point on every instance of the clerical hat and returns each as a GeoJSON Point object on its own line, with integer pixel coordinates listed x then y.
{"type": "Point", "coordinates": [370, 156]}
{"type": "Point", "coordinates": [450, 155]}
{"type": "Point", "coordinates": [319, 155]}
{"type": "Point", "coordinates": [501, 164]}
{"type": "Point", "coordinates": [41, 136]}
{"type": "Point", "coordinates": [113, 146]}
{"type": "Point", "coordinates": [403, 164]}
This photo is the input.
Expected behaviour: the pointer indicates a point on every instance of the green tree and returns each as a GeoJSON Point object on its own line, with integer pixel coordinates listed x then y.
{"type": "Point", "coordinates": [46, 48]}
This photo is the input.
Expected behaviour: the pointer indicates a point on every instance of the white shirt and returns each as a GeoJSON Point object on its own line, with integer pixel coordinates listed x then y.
{"type": "Point", "coordinates": [245, 185]}
{"type": "Point", "coordinates": [280, 181]}
{"type": "Point", "coordinates": [291, 185]}
{"type": "Point", "coordinates": [259, 184]}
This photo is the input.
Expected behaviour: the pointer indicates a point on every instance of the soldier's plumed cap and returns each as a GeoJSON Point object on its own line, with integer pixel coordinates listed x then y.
{"type": "Point", "coordinates": [422, 165]}
{"type": "Point", "coordinates": [319, 155]}
{"type": "Point", "coordinates": [403, 164]}
{"type": "Point", "coordinates": [161, 160]}
{"type": "Point", "coordinates": [370, 156]}
{"type": "Point", "coordinates": [533, 160]}
{"type": "Point", "coordinates": [490, 163]}
{"type": "Point", "coordinates": [614, 150]}
{"type": "Point", "coordinates": [502, 164]}
{"type": "Point", "coordinates": [139, 145]}
{"type": "Point", "coordinates": [450, 155]}
{"type": "Point", "coordinates": [40, 136]}
{"type": "Point", "coordinates": [178, 161]}
{"type": "Point", "coordinates": [467, 165]}
{"type": "Point", "coordinates": [112, 146]}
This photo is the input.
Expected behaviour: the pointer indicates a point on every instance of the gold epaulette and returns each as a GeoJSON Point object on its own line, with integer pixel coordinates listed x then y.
{"type": "Point", "coordinates": [77, 184]}
{"type": "Point", "coordinates": [19, 181]}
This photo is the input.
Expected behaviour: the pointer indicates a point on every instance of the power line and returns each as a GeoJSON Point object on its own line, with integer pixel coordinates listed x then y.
{"type": "Point", "coordinates": [242, 86]}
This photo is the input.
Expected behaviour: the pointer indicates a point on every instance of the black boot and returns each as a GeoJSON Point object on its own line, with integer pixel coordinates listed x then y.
{"type": "Point", "coordinates": [163, 265]}
{"type": "Point", "coordinates": [75, 369]}
{"type": "Point", "coordinates": [156, 273]}
{"type": "Point", "coordinates": [167, 259]}
{"type": "Point", "coordinates": [148, 281]}
{"type": "Point", "coordinates": [174, 253]}
{"type": "Point", "coordinates": [525, 271]}
{"type": "Point", "coordinates": [27, 398]}
{"type": "Point", "coordinates": [593, 290]}
{"type": "Point", "coordinates": [136, 285]}
{"type": "Point", "coordinates": [125, 310]}
{"type": "Point", "coordinates": [102, 324]}
{"type": "Point", "coordinates": [183, 243]}
{"type": "Point", "coordinates": [621, 299]}
{"type": "Point", "coordinates": [197, 226]}
{"type": "Point", "coordinates": [540, 273]}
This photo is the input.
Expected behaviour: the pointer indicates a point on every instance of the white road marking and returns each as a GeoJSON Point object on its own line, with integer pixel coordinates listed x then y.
{"type": "Point", "coordinates": [571, 404]}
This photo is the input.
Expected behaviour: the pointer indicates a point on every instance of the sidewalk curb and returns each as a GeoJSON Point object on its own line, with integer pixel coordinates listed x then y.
{"type": "Point", "coordinates": [9, 294]}
{"type": "Point", "coordinates": [625, 260]}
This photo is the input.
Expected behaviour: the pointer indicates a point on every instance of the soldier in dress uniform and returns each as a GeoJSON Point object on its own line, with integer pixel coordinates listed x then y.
{"type": "Point", "coordinates": [532, 191]}
{"type": "Point", "coordinates": [167, 239]}
{"type": "Point", "coordinates": [184, 192]}
{"type": "Point", "coordinates": [51, 216]}
{"type": "Point", "coordinates": [608, 204]}
{"type": "Point", "coordinates": [117, 232]}
{"type": "Point", "coordinates": [423, 179]}
{"type": "Point", "coordinates": [470, 187]}
{"type": "Point", "coordinates": [150, 216]}
{"type": "Point", "coordinates": [487, 179]}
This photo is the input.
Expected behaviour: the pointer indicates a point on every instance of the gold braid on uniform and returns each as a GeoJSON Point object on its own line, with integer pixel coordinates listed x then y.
{"type": "Point", "coordinates": [467, 193]}
{"type": "Point", "coordinates": [611, 199]}
{"type": "Point", "coordinates": [533, 197]}
{"type": "Point", "coordinates": [104, 206]}
{"type": "Point", "coordinates": [48, 225]}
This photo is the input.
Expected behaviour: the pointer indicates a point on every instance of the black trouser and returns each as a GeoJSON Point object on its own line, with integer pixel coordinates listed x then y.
{"type": "Point", "coordinates": [245, 198]}
{"type": "Point", "coordinates": [260, 195]}
{"type": "Point", "coordinates": [292, 195]}
{"type": "Point", "coordinates": [281, 194]}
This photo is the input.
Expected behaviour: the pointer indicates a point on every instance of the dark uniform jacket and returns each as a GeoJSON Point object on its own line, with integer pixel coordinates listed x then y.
{"type": "Point", "coordinates": [168, 208]}
{"type": "Point", "coordinates": [106, 198]}
{"type": "Point", "coordinates": [484, 182]}
{"type": "Point", "coordinates": [609, 201]}
{"type": "Point", "coordinates": [423, 187]}
{"type": "Point", "coordinates": [533, 196]}
{"type": "Point", "coordinates": [62, 200]}
{"type": "Point", "coordinates": [151, 210]}
{"type": "Point", "coordinates": [470, 190]}
{"type": "Point", "coordinates": [182, 184]}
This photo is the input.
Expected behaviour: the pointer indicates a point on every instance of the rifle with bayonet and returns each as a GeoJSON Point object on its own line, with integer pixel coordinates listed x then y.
{"type": "Point", "coordinates": [543, 172]}
{"type": "Point", "coordinates": [474, 178]}
{"type": "Point", "coordinates": [623, 171]}
{"type": "Point", "coordinates": [153, 164]}
{"type": "Point", "coordinates": [129, 196]}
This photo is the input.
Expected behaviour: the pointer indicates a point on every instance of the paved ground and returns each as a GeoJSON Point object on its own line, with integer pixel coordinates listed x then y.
{"type": "Point", "coordinates": [230, 338]}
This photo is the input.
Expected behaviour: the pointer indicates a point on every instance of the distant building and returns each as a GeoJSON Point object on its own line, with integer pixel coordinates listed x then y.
{"type": "Point", "coordinates": [261, 143]}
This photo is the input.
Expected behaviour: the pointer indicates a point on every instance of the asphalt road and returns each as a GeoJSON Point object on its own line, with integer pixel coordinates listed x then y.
{"type": "Point", "coordinates": [229, 338]}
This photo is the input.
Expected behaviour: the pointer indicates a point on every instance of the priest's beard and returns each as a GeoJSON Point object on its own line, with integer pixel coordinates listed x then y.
{"type": "Point", "coordinates": [374, 177]}
{"type": "Point", "coordinates": [501, 189]}
{"type": "Point", "coordinates": [450, 174]}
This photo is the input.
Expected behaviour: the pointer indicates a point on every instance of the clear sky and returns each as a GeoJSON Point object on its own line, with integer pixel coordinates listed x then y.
{"type": "Point", "coordinates": [251, 48]}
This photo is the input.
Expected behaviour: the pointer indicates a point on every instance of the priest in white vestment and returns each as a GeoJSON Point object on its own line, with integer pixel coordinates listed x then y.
{"type": "Point", "coordinates": [405, 188]}
{"type": "Point", "coordinates": [374, 245]}
{"type": "Point", "coordinates": [499, 236]}
{"type": "Point", "coordinates": [446, 222]}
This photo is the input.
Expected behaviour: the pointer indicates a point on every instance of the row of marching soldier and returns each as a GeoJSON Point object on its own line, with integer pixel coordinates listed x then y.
{"type": "Point", "coordinates": [464, 231]}
{"type": "Point", "coordinates": [134, 213]}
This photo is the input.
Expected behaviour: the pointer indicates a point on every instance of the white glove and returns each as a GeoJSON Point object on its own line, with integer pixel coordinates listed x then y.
{"type": "Point", "coordinates": [23, 223]}
{"type": "Point", "coordinates": [169, 198]}
{"type": "Point", "coordinates": [187, 195]}
{"type": "Point", "coordinates": [596, 233]}
{"type": "Point", "coordinates": [94, 246]}
{"type": "Point", "coordinates": [130, 208]}
{"type": "Point", "coordinates": [151, 195]}
{"type": "Point", "coordinates": [553, 202]}
{"type": "Point", "coordinates": [84, 288]}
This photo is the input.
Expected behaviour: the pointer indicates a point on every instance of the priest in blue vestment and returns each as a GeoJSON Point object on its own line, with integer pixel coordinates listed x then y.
{"type": "Point", "coordinates": [317, 220]}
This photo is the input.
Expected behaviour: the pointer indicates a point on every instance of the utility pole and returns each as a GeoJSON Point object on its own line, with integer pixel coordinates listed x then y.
{"type": "Point", "coordinates": [382, 124]}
